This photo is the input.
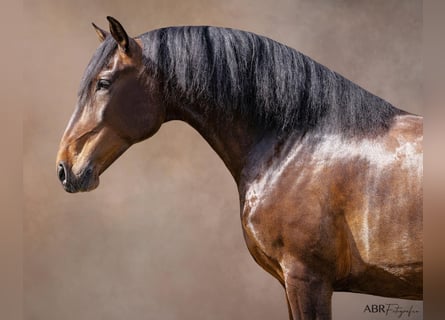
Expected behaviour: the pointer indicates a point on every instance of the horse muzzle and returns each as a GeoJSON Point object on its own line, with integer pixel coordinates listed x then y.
{"type": "Point", "coordinates": [86, 180]}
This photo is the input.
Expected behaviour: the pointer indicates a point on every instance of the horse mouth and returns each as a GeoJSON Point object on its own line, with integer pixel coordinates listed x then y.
{"type": "Point", "coordinates": [87, 180]}
{"type": "Point", "coordinates": [83, 185]}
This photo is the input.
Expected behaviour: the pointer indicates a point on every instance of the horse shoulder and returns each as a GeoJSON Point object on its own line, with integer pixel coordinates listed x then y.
{"type": "Point", "coordinates": [285, 218]}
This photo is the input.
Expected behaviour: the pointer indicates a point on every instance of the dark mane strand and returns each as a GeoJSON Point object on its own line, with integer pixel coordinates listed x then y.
{"type": "Point", "coordinates": [96, 64]}
{"type": "Point", "coordinates": [237, 72]}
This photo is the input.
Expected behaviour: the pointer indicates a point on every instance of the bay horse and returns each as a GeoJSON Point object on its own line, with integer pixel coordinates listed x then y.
{"type": "Point", "coordinates": [329, 175]}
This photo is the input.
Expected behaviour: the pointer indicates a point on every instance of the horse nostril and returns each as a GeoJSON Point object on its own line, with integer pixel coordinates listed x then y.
{"type": "Point", "coordinates": [88, 172]}
{"type": "Point", "coordinates": [61, 172]}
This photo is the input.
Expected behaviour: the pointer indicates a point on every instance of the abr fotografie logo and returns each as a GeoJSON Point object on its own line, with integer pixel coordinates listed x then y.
{"type": "Point", "coordinates": [391, 309]}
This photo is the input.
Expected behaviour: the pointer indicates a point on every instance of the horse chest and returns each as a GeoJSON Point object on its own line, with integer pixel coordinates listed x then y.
{"type": "Point", "coordinates": [274, 219]}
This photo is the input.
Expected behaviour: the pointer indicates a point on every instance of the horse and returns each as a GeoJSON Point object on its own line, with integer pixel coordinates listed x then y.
{"type": "Point", "coordinates": [329, 175]}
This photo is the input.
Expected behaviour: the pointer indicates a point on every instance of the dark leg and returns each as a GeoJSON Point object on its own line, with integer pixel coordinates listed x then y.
{"type": "Point", "coordinates": [308, 298]}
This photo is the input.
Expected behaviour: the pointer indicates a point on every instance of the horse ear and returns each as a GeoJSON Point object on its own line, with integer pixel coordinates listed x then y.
{"type": "Point", "coordinates": [119, 34]}
{"type": "Point", "coordinates": [102, 34]}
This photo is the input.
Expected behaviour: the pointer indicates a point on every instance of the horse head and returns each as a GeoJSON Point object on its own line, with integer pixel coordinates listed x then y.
{"type": "Point", "coordinates": [118, 105]}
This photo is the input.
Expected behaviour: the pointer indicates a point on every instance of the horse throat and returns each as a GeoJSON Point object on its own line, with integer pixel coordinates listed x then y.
{"type": "Point", "coordinates": [231, 138]}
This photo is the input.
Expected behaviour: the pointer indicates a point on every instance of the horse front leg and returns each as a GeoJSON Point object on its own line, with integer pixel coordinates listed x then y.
{"type": "Point", "coordinates": [289, 308]}
{"type": "Point", "coordinates": [308, 297]}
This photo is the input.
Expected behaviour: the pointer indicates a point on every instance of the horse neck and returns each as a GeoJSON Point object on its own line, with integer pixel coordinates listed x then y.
{"type": "Point", "coordinates": [232, 139]}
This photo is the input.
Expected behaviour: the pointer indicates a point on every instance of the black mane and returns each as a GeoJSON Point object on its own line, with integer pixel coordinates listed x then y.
{"type": "Point", "coordinates": [268, 83]}
{"type": "Point", "coordinates": [238, 71]}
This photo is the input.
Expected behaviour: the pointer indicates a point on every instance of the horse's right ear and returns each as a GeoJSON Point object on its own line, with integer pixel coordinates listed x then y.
{"type": "Point", "coordinates": [102, 34]}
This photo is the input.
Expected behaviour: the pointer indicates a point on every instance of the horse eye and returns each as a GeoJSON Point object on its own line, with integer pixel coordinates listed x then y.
{"type": "Point", "coordinates": [103, 84]}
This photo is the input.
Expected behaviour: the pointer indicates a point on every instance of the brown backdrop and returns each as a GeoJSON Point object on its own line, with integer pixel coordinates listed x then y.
{"type": "Point", "coordinates": [161, 238]}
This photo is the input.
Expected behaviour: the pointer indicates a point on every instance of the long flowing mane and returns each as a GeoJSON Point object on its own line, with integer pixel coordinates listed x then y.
{"type": "Point", "coordinates": [238, 72]}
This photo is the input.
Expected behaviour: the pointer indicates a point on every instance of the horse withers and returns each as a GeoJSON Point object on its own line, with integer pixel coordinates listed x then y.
{"type": "Point", "coordinates": [329, 175]}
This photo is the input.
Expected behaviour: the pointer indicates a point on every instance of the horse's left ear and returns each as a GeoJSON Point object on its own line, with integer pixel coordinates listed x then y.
{"type": "Point", "coordinates": [119, 34]}
{"type": "Point", "coordinates": [102, 34]}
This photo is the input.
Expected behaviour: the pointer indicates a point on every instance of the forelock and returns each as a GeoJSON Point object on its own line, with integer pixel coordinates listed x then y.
{"type": "Point", "coordinates": [96, 64]}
